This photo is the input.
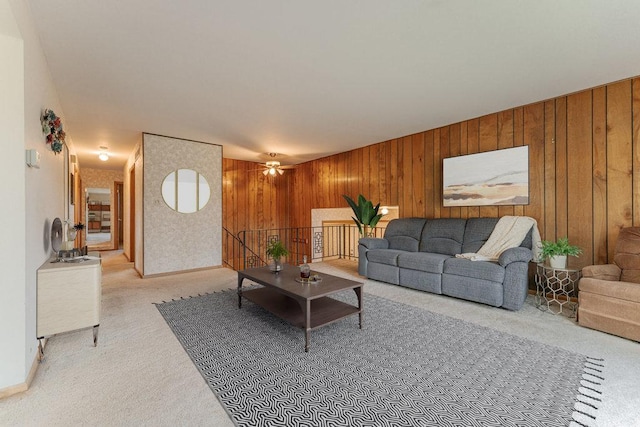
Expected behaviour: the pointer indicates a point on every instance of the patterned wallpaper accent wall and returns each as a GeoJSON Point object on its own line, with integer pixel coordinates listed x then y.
{"type": "Point", "coordinates": [176, 241]}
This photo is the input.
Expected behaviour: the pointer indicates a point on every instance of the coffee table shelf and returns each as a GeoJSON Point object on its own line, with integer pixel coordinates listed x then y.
{"type": "Point", "coordinates": [324, 310]}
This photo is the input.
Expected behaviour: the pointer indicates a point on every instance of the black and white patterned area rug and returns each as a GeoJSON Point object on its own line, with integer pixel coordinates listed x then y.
{"type": "Point", "coordinates": [406, 367]}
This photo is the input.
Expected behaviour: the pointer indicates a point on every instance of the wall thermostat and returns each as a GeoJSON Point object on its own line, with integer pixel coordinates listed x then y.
{"type": "Point", "coordinates": [33, 159]}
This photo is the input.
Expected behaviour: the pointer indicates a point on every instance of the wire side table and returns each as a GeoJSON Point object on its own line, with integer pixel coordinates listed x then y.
{"type": "Point", "coordinates": [554, 288]}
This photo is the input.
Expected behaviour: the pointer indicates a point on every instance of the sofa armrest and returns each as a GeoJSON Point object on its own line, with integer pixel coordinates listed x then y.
{"type": "Point", "coordinates": [518, 254]}
{"type": "Point", "coordinates": [602, 272]}
{"type": "Point", "coordinates": [374, 243]}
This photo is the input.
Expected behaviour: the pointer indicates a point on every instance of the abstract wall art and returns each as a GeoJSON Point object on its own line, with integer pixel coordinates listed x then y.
{"type": "Point", "coordinates": [493, 178]}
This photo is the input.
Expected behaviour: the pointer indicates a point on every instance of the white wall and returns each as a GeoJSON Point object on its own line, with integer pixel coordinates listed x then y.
{"type": "Point", "coordinates": [36, 196]}
{"type": "Point", "coordinates": [12, 245]}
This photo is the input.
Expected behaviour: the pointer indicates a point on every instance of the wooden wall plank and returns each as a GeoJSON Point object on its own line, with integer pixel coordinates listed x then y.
{"type": "Point", "coordinates": [561, 213]}
{"type": "Point", "coordinates": [619, 159]}
{"type": "Point", "coordinates": [548, 228]}
{"type": "Point", "coordinates": [579, 178]}
{"type": "Point", "coordinates": [488, 142]}
{"type": "Point", "coordinates": [454, 151]}
{"type": "Point", "coordinates": [374, 173]}
{"type": "Point", "coordinates": [418, 178]}
{"type": "Point", "coordinates": [518, 141]}
{"type": "Point", "coordinates": [599, 175]}
{"type": "Point", "coordinates": [464, 150]}
{"type": "Point", "coordinates": [444, 153]}
{"type": "Point", "coordinates": [505, 140]}
{"type": "Point", "coordinates": [473, 146]}
{"type": "Point", "coordinates": [365, 189]}
{"type": "Point", "coordinates": [394, 161]}
{"type": "Point", "coordinates": [437, 174]}
{"type": "Point", "coordinates": [534, 138]}
{"type": "Point", "coordinates": [636, 149]}
{"type": "Point", "coordinates": [382, 175]}
{"type": "Point", "coordinates": [430, 172]}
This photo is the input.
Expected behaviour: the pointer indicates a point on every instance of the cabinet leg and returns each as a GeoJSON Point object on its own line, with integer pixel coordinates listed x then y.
{"type": "Point", "coordinates": [95, 335]}
{"type": "Point", "coordinates": [40, 351]}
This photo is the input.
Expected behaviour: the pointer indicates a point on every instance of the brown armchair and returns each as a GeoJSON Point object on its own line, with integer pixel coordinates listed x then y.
{"type": "Point", "coordinates": [609, 295]}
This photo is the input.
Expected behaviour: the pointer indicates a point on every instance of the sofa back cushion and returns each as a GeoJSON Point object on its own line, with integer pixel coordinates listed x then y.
{"type": "Point", "coordinates": [627, 254]}
{"type": "Point", "coordinates": [443, 236]}
{"type": "Point", "coordinates": [477, 233]}
{"type": "Point", "coordinates": [404, 233]}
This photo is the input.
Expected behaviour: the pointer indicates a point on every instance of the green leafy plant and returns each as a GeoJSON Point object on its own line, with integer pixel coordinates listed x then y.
{"type": "Point", "coordinates": [550, 249]}
{"type": "Point", "coordinates": [276, 250]}
{"type": "Point", "coordinates": [366, 215]}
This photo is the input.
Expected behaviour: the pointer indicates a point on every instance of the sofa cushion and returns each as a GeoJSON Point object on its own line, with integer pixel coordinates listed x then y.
{"type": "Point", "coordinates": [422, 261]}
{"type": "Point", "coordinates": [404, 233]}
{"type": "Point", "coordinates": [383, 273]}
{"type": "Point", "coordinates": [484, 291]}
{"type": "Point", "coordinates": [443, 236]}
{"type": "Point", "coordinates": [484, 270]}
{"type": "Point", "coordinates": [627, 254]}
{"type": "Point", "coordinates": [384, 256]}
{"type": "Point", "coordinates": [477, 232]}
{"type": "Point", "coordinates": [628, 291]}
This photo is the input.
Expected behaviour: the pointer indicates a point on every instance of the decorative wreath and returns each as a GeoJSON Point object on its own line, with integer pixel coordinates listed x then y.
{"type": "Point", "coordinates": [52, 128]}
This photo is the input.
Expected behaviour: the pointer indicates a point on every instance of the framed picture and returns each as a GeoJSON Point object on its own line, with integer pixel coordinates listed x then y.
{"type": "Point", "coordinates": [492, 178]}
{"type": "Point", "coordinates": [72, 188]}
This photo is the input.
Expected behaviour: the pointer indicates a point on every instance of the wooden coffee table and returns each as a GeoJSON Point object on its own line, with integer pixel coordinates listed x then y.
{"type": "Point", "coordinates": [305, 305]}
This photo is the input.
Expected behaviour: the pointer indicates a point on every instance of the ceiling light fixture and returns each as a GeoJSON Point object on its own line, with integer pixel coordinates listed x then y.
{"type": "Point", "coordinates": [272, 168]}
{"type": "Point", "coordinates": [103, 154]}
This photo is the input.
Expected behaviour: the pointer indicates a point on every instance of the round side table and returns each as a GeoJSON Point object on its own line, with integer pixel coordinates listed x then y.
{"type": "Point", "coordinates": [554, 287]}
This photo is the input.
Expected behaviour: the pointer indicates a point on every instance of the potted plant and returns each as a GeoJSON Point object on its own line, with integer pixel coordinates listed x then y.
{"type": "Point", "coordinates": [366, 215]}
{"type": "Point", "coordinates": [276, 251]}
{"type": "Point", "coordinates": [558, 251]}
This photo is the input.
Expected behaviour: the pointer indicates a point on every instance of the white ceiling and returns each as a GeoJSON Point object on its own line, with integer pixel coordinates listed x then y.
{"type": "Point", "coordinates": [312, 78]}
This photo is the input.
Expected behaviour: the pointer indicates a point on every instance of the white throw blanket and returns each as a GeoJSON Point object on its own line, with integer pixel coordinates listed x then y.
{"type": "Point", "coordinates": [509, 232]}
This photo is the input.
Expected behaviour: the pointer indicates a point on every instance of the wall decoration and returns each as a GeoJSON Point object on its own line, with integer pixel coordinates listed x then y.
{"type": "Point", "coordinates": [493, 178]}
{"type": "Point", "coordinates": [52, 128]}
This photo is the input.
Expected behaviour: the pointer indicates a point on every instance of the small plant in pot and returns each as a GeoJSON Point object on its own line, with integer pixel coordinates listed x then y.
{"type": "Point", "coordinates": [557, 252]}
{"type": "Point", "coordinates": [276, 251]}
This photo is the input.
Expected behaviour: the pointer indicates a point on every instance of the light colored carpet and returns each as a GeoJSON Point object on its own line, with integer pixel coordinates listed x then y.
{"type": "Point", "coordinates": [140, 375]}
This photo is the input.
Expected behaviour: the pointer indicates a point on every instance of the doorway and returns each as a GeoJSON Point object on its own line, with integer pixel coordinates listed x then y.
{"type": "Point", "coordinates": [98, 220]}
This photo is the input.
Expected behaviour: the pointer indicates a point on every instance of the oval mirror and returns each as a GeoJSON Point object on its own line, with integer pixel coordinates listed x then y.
{"type": "Point", "coordinates": [185, 191]}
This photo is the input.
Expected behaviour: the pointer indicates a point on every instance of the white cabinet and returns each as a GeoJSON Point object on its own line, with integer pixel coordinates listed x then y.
{"type": "Point", "coordinates": [69, 297]}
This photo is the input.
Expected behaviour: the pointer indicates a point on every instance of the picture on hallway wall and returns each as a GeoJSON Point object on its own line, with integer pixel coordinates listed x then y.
{"type": "Point", "coordinates": [494, 178]}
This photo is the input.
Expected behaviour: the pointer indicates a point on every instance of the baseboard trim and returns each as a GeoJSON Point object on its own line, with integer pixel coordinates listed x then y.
{"type": "Point", "coordinates": [22, 387]}
{"type": "Point", "coordinates": [172, 273]}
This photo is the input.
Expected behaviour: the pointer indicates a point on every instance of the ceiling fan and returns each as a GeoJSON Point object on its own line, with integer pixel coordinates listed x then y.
{"type": "Point", "coordinates": [272, 167]}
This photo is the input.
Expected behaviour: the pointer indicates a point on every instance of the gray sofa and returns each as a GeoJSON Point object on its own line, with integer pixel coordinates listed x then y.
{"type": "Point", "coordinates": [420, 253]}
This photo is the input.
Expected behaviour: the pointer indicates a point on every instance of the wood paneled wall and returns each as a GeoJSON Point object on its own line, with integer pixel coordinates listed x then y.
{"type": "Point", "coordinates": [584, 159]}
{"type": "Point", "coordinates": [252, 201]}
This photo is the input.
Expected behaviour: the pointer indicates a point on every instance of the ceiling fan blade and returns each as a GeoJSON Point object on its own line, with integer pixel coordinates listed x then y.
{"type": "Point", "coordinates": [265, 172]}
{"type": "Point", "coordinates": [280, 171]}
